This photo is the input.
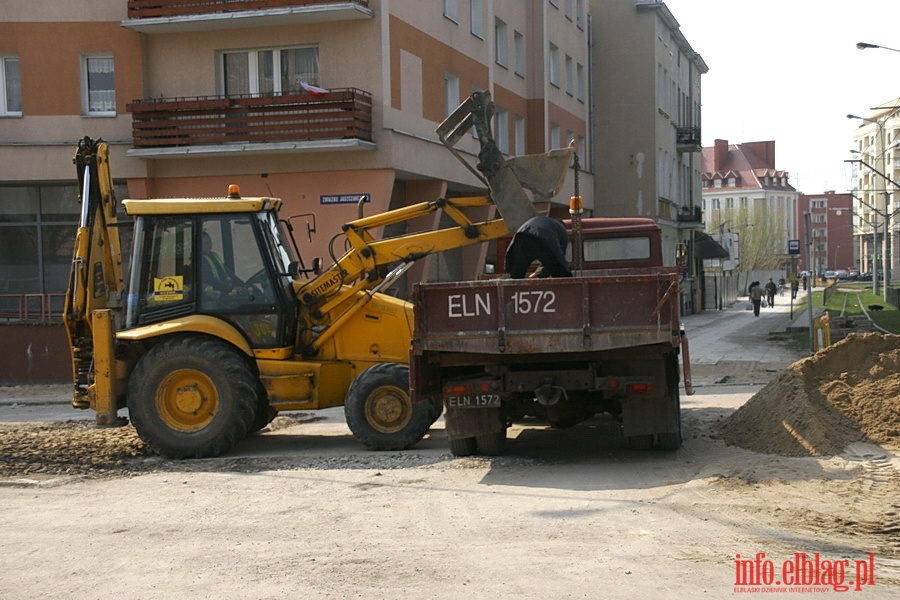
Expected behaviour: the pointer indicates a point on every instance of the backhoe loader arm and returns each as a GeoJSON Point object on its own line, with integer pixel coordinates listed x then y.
{"type": "Point", "coordinates": [363, 268]}
{"type": "Point", "coordinates": [95, 278]}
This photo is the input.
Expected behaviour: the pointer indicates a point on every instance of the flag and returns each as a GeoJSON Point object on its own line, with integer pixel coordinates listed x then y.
{"type": "Point", "coordinates": [315, 92]}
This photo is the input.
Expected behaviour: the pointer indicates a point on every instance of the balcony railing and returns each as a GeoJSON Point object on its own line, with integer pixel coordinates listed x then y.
{"type": "Point", "coordinates": [690, 214]}
{"type": "Point", "coordinates": [339, 114]}
{"type": "Point", "coordinates": [687, 139]}
{"type": "Point", "coordinates": [145, 9]}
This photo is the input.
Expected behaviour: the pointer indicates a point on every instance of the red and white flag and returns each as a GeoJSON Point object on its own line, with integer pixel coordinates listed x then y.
{"type": "Point", "coordinates": [314, 91]}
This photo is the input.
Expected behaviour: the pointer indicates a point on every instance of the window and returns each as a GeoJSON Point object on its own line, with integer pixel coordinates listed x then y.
{"type": "Point", "coordinates": [607, 249]}
{"type": "Point", "coordinates": [732, 182]}
{"type": "Point", "coordinates": [570, 76]}
{"type": "Point", "coordinates": [476, 13]}
{"type": "Point", "coordinates": [579, 82]}
{"type": "Point", "coordinates": [744, 202]}
{"type": "Point", "coordinates": [579, 13]}
{"type": "Point", "coordinates": [500, 43]}
{"type": "Point", "coordinates": [519, 48]}
{"type": "Point", "coordinates": [10, 86]}
{"type": "Point", "coordinates": [729, 203]}
{"type": "Point", "coordinates": [555, 3]}
{"type": "Point", "coordinates": [501, 130]}
{"type": "Point", "coordinates": [555, 133]}
{"type": "Point", "coordinates": [717, 183]}
{"type": "Point", "coordinates": [98, 86]}
{"type": "Point", "coordinates": [520, 135]}
{"type": "Point", "coordinates": [570, 9]}
{"type": "Point", "coordinates": [553, 66]}
{"type": "Point", "coordinates": [451, 10]}
{"type": "Point", "coordinates": [451, 93]}
{"type": "Point", "coordinates": [818, 204]}
{"type": "Point", "coordinates": [266, 72]}
{"type": "Point", "coordinates": [818, 218]}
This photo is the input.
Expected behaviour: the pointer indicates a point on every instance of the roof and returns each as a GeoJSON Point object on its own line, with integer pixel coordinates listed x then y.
{"type": "Point", "coordinates": [751, 164]}
{"type": "Point", "coordinates": [191, 206]}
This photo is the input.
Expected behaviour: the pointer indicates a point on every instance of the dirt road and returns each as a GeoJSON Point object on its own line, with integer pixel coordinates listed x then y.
{"type": "Point", "coordinates": [304, 511]}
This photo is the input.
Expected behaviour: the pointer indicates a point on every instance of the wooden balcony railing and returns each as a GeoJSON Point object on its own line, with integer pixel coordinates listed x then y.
{"type": "Point", "coordinates": [146, 9]}
{"type": "Point", "coordinates": [338, 114]}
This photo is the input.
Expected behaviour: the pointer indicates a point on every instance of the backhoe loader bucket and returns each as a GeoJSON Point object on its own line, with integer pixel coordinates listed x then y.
{"type": "Point", "coordinates": [542, 174]}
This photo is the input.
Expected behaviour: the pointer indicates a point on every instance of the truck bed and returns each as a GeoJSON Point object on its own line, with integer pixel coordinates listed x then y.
{"type": "Point", "coordinates": [594, 311]}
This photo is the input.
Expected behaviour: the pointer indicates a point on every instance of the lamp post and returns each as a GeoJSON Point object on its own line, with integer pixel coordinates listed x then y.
{"type": "Point", "coordinates": [881, 151]}
{"type": "Point", "coordinates": [865, 45]}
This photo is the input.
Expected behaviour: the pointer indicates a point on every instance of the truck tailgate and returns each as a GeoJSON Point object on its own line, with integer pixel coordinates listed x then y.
{"type": "Point", "coordinates": [599, 310]}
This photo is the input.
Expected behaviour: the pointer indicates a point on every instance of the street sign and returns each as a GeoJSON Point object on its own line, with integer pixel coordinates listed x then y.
{"type": "Point", "coordinates": [793, 246]}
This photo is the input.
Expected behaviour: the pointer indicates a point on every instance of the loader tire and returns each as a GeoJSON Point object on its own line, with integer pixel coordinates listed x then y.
{"type": "Point", "coordinates": [265, 414]}
{"type": "Point", "coordinates": [192, 397]}
{"type": "Point", "coordinates": [379, 411]}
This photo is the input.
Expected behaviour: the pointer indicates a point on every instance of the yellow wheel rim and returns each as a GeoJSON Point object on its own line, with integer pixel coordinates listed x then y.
{"type": "Point", "coordinates": [388, 409]}
{"type": "Point", "coordinates": [187, 400]}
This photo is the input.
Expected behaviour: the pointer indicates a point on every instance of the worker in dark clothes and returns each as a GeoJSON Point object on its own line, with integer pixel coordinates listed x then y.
{"type": "Point", "coordinates": [543, 239]}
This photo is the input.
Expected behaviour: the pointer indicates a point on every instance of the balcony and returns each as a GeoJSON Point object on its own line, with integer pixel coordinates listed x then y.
{"type": "Point", "coordinates": [170, 16]}
{"type": "Point", "coordinates": [687, 139]}
{"type": "Point", "coordinates": [212, 125]}
{"type": "Point", "coordinates": [690, 214]}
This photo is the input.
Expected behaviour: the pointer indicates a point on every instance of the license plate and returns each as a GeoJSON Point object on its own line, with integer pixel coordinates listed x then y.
{"type": "Point", "coordinates": [473, 401]}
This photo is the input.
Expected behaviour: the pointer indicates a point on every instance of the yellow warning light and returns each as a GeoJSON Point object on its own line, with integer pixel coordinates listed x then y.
{"type": "Point", "coordinates": [576, 205]}
{"type": "Point", "coordinates": [234, 191]}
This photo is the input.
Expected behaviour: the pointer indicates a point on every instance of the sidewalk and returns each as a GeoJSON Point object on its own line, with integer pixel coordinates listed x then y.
{"type": "Point", "coordinates": [735, 335]}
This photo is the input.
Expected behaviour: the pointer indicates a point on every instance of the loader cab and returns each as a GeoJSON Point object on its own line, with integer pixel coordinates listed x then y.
{"type": "Point", "coordinates": [230, 265]}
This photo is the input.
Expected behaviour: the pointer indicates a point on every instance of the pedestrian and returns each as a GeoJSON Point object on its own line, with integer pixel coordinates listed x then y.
{"type": "Point", "coordinates": [756, 293]}
{"type": "Point", "coordinates": [771, 288]}
{"type": "Point", "coordinates": [805, 283]}
{"type": "Point", "coordinates": [795, 286]}
{"type": "Point", "coordinates": [543, 239]}
{"type": "Point", "coordinates": [781, 284]}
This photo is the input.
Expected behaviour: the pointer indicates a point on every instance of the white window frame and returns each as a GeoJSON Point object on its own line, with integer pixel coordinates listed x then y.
{"type": "Point", "coordinates": [86, 92]}
{"type": "Point", "coordinates": [476, 15]}
{"type": "Point", "coordinates": [570, 76]}
{"type": "Point", "coordinates": [501, 42]}
{"type": "Point", "coordinates": [555, 135]}
{"type": "Point", "coordinates": [519, 49]}
{"type": "Point", "coordinates": [253, 67]}
{"type": "Point", "coordinates": [553, 65]}
{"type": "Point", "coordinates": [451, 92]}
{"type": "Point", "coordinates": [5, 86]}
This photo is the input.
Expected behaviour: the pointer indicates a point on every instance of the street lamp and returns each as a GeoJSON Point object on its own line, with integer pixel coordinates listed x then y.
{"type": "Point", "coordinates": [864, 45]}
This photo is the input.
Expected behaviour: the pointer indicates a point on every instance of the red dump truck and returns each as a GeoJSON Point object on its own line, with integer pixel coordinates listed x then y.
{"type": "Point", "coordinates": [559, 349]}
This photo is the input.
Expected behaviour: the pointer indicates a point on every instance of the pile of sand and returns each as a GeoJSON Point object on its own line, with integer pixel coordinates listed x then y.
{"type": "Point", "coordinates": [847, 392]}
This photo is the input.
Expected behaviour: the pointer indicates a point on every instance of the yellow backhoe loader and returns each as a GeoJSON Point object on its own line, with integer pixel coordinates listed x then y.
{"type": "Point", "coordinates": [211, 330]}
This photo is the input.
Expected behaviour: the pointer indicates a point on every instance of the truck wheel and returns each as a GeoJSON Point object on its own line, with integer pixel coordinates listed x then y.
{"type": "Point", "coordinates": [672, 441]}
{"type": "Point", "coordinates": [463, 446]}
{"type": "Point", "coordinates": [192, 397]}
{"type": "Point", "coordinates": [379, 411]}
{"type": "Point", "coordinates": [491, 444]}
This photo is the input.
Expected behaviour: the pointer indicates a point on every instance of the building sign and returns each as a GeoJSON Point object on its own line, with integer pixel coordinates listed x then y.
{"type": "Point", "coordinates": [343, 198]}
{"type": "Point", "coordinates": [793, 246]}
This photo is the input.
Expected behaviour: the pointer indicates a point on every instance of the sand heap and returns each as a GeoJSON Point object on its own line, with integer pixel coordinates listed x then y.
{"type": "Point", "coordinates": [847, 392]}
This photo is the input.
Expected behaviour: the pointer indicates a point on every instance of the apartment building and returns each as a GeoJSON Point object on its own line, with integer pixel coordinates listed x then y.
{"type": "Point", "coordinates": [646, 125]}
{"type": "Point", "coordinates": [321, 103]}
{"type": "Point", "coordinates": [831, 243]}
{"type": "Point", "coordinates": [876, 173]}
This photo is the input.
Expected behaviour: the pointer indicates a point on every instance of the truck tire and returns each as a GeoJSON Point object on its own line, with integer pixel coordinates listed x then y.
{"type": "Point", "coordinates": [672, 440]}
{"type": "Point", "coordinates": [192, 397]}
{"type": "Point", "coordinates": [491, 444]}
{"type": "Point", "coordinates": [463, 446]}
{"type": "Point", "coordinates": [380, 412]}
